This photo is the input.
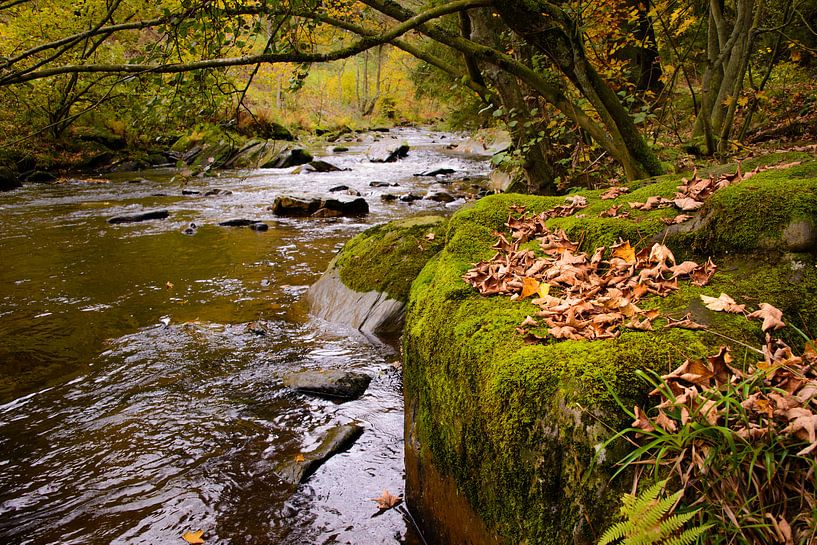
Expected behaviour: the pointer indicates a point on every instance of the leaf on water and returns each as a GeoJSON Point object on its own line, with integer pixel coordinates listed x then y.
{"type": "Point", "coordinates": [771, 316]}
{"type": "Point", "coordinates": [723, 303]}
{"type": "Point", "coordinates": [387, 500]}
{"type": "Point", "coordinates": [194, 538]}
{"type": "Point", "coordinates": [169, 285]}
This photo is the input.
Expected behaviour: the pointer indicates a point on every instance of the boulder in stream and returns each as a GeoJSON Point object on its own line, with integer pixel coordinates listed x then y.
{"type": "Point", "coordinates": [436, 172]}
{"type": "Point", "coordinates": [238, 223]}
{"type": "Point", "coordinates": [321, 166]}
{"type": "Point", "coordinates": [336, 440]}
{"type": "Point", "coordinates": [387, 152]}
{"type": "Point", "coordinates": [8, 179]}
{"type": "Point", "coordinates": [289, 158]}
{"type": "Point", "coordinates": [141, 216]}
{"type": "Point", "coordinates": [332, 383]}
{"type": "Point", "coordinates": [302, 206]}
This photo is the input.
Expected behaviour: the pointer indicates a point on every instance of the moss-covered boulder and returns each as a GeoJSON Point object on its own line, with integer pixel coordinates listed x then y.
{"type": "Point", "coordinates": [367, 284]}
{"type": "Point", "coordinates": [207, 146]}
{"type": "Point", "coordinates": [509, 435]}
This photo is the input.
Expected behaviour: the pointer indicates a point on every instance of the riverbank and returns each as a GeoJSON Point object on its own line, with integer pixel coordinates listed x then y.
{"type": "Point", "coordinates": [504, 422]}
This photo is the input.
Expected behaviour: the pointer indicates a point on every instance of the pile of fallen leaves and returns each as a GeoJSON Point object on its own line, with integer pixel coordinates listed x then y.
{"type": "Point", "coordinates": [689, 197]}
{"type": "Point", "coordinates": [581, 296]}
{"type": "Point", "coordinates": [744, 440]}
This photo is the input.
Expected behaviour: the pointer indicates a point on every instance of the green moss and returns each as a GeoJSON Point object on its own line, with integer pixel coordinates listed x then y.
{"type": "Point", "coordinates": [389, 257]}
{"type": "Point", "coordinates": [518, 425]}
{"type": "Point", "coordinates": [753, 214]}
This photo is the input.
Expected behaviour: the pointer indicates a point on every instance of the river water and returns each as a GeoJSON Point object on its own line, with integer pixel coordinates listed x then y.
{"type": "Point", "coordinates": [140, 368]}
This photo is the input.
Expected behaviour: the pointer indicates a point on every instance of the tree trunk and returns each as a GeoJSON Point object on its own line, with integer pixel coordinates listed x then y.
{"type": "Point", "coordinates": [552, 32]}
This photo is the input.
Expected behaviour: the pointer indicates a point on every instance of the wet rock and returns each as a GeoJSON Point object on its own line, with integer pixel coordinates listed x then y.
{"type": "Point", "coordinates": [238, 223]}
{"type": "Point", "coordinates": [259, 227]}
{"type": "Point", "coordinates": [40, 176]}
{"type": "Point", "coordinates": [289, 158]}
{"type": "Point", "coordinates": [388, 197]}
{"type": "Point", "coordinates": [340, 149]}
{"type": "Point", "coordinates": [441, 196]}
{"type": "Point", "coordinates": [8, 179]}
{"type": "Point", "coordinates": [308, 206]}
{"type": "Point", "coordinates": [190, 229]}
{"type": "Point", "coordinates": [411, 197]}
{"type": "Point", "coordinates": [334, 383]}
{"type": "Point", "coordinates": [142, 216]}
{"type": "Point", "coordinates": [216, 191]}
{"type": "Point", "coordinates": [339, 188]}
{"type": "Point", "coordinates": [387, 152]}
{"type": "Point", "coordinates": [437, 172]}
{"type": "Point", "coordinates": [190, 192]}
{"type": "Point", "coordinates": [138, 181]}
{"type": "Point", "coordinates": [327, 213]}
{"type": "Point", "coordinates": [383, 184]}
{"type": "Point", "coordinates": [336, 440]}
{"type": "Point", "coordinates": [381, 129]}
{"type": "Point", "coordinates": [321, 166]}
{"type": "Point", "coordinates": [800, 236]}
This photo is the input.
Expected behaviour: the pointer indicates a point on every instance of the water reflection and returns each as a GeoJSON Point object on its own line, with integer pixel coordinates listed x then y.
{"type": "Point", "coordinates": [155, 360]}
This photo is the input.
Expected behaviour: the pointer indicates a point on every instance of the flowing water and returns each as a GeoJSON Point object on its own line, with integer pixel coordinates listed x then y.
{"type": "Point", "coordinates": [140, 368]}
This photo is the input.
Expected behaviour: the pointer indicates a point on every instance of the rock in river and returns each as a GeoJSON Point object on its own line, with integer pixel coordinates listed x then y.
{"type": "Point", "coordinates": [387, 152]}
{"type": "Point", "coordinates": [238, 223]}
{"type": "Point", "coordinates": [8, 179]}
{"type": "Point", "coordinates": [336, 440]}
{"type": "Point", "coordinates": [437, 172]}
{"type": "Point", "coordinates": [142, 216]}
{"type": "Point", "coordinates": [334, 383]}
{"type": "Point", "coordinates": [301, 206]}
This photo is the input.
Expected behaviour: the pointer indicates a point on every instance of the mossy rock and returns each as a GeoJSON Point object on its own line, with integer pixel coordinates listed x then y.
{"type": "Point", "coordinates": [519, 427]}
{"type": "Point", "coordinates": [208, 145]}
{"type": "Point", "coordinates": [387, 258]}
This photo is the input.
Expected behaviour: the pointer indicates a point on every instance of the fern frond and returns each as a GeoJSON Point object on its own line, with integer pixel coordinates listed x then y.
{"type": "Point", "coordinates": [616, 532]}
{"type": "Point", "coordinates": [688, 537]}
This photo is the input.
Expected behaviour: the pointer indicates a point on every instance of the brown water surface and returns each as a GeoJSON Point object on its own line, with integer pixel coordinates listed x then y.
{"type": "Point", "coordinates": [140, 367]}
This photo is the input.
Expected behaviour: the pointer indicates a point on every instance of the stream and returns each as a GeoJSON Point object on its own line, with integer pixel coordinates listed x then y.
{"type": "Point", "coordinates": [140, 367]}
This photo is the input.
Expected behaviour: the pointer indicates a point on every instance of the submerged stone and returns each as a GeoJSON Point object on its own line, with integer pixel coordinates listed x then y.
{"type": "Point", "coordinates": [336, 440]}
{"type": "Point", "coordinates": [142, 216]}
{"type": "Point", "coordinates": [333, 383]}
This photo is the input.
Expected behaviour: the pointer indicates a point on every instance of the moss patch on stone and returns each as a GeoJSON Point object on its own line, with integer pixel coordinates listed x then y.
{"type": "Point", "coordinates": [387, 258]}
{"type": "Point", "coordinates": [520, 426]}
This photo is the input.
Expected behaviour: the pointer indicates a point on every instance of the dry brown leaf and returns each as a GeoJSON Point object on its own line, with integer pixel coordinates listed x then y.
{"type": "Point", "coordinates": [771, 316]}
{"type": "Point", "coordinates": [687, 204]}
{"type": "Point", "coordinates": [641, 421]}
{"type": "Point", "coordinates": [680, 218]}
{"type": "Point", "coordinates": [387, 500]}
{"type": "Point", "coordinates": [694, 371]}
{"type": "Point", "coordinates": [430, 236]}
{"type": "Point", "coordinates": [684, 323]}
{"type": "Point", "coordinates": [723, 303]}
{"type": "Point", "coordinates": [614, 193]}
{"type": "Point", "coordinates": [194, 538]}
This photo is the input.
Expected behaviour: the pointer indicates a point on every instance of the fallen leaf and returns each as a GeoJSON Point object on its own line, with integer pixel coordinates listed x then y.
{"type": "Point", "coordinates": [723, 303]}
{"type": "Point", "coordinates": [680, 218]}
{"type": "Point", "coordinates": [772, 317]}
{"type": "Point", "coordinates": [387, 501]}
{"type": "Point", "coordinates": [169, 285]}
{"type": "Point", "coordinates": [687, 204]}
{"type": "Point", "coordinates": [430, 236]}
{"type": "Point", "coordinates": [194, 538]}
{"type": "Point", "coordinates": [684, 323]}
{"type": "Point", "coordinates": [530, 286]}
{"type": "Point", "coordinates": [624, 251]}
{"type": "Point", "coordinates": [614, 193]}
{"type": "Point", "coordinates": [299, 458]}
{"type": "Point", "coordinates": [641, 421]}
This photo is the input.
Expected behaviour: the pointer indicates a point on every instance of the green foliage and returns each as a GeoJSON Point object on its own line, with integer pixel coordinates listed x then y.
{"type": "Point", "coordinates": [650, 520]}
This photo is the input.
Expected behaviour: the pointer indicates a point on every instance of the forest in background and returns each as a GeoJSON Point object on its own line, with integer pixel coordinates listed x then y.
{"type": "Point", "coordinates": [589, 89]}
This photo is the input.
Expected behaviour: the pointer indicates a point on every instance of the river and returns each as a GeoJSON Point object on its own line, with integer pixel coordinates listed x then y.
{"type": "Point", "coordinates": [140, 367]}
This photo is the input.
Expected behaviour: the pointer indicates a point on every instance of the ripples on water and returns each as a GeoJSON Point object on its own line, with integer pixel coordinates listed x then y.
{"type": "Point", "coordinates": [155, 360]}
